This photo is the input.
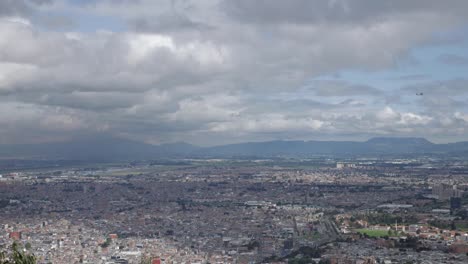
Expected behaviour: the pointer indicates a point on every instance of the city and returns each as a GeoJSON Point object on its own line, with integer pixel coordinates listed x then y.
{"type": "Point", "coordinates": [241, 211]}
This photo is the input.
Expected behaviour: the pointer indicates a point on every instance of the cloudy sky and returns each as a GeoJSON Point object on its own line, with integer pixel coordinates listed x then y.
{"type": "Point", "coordinates": [222, 71]}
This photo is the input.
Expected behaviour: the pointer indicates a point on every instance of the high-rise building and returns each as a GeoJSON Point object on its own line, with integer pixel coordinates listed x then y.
{"type": "Point", "coordinates": [446, 191]}
{"type": "Point", "coordinates": [455, 203]}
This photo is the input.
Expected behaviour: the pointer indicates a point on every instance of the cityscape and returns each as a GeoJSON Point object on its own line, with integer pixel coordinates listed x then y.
{"type": "Point", "coordinates": [319, 210]}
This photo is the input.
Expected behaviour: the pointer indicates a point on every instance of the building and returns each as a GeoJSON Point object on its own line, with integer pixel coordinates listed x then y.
{"type": "Point", "coordinates": [446, 191]}
{"type": "Point", "coordinates": [455, 203]}
{"type": "Point", "coordinates": [15, 235]}
{"type": "Point", "coordinates": [341, 165]}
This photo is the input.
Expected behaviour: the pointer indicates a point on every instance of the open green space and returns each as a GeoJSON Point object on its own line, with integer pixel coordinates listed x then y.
{"type": "Point", "coordinates": [373, 233]}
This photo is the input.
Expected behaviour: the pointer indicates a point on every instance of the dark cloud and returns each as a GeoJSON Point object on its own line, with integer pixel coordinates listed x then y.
{"type": "Point", "coordinates": [170, 22]}
{"type": "Point", "coordinates": [92, 3]}
{"type": "Point", "coordinates": [337, 88]}
{"type": "Point", "coordinates": [333, 11]}
{"type": "Point", "coordinates": [455, 87]}
{"type": "Point", "coordinates": [90, 101]}
{"type": "Point", "coordinates": [21, 7]}
{"type": "Point", "coordinates": [42, 2]}
{"type": "Point", "coordinates": [453, 59]}
{"type": "Point", "coordinates": [56, 22]}
{"type": "Point", "coordinates": [412, 77]}
{"type": "Point", "coordinates": [14, 8]}
{"type": "Point", "coordinates": [439, 98]}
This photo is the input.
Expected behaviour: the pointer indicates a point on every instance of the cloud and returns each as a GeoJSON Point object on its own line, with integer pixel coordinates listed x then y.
{"type": "Point", "coordinates": [271, 123]}
{"type": "Point", "coordinates": [454, 87]}
{"type": "Point", "coordinates": [14, 8]}
{"type": "Point", "coordinates": [169, 22]}
{"type": "Point", "coordinates": [198, 70]}
{"type": "Point", "coordinates": [340, 88]}
{"type": "Point", "coordinates": [462, 116]}
{"type": "Point", "coordinates": [29, 123]}
{"type": "Point", "coordinates": [452, 59]}
{"type": "Point", "coordinates": [21, 7]}
{"type": "Point", "coordinates": [412, 77]}
{"type": "Point", "coordinates": [334, 11]}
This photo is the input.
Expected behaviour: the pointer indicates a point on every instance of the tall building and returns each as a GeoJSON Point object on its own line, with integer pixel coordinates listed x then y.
{"type": "Point", "coordinates": [445, 191]}
{"type": "Point", "coordinates": [455, 203]}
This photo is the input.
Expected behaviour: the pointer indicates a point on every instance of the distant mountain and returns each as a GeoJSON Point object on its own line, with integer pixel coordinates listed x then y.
{"type": "Point", "coordinates": [300, 148]}
{"type": "Point", "coordinates": [97, 148]}
{"type": "Point", "coordinates": [88, 148]}
{"type": "Point", "coordinates": [283, 148]}
{"type": "Point", "coordinates": [180, 148]}
{"type": "Point", "coordinates": [400, 140]}
{"type": "Point", "coordinates": [108, 148]}
{"type": "Point", "coordinates": [399, 145]}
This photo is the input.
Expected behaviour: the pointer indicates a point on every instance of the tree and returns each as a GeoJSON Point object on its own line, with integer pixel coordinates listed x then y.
{"type": "Point", "coordinates": [145, 260]}
{"type": "Point", "coordinates": [107, 243]}
{"type": "Point", "coordinates": [27, 246]}
{"type": "Point", "coordinates": [16, 256]}
{"type": "Point", "coordinates": [253, 244]}
{"type": "Point", "coordinates": [453, 226]}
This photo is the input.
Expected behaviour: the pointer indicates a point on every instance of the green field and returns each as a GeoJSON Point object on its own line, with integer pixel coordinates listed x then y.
{"type": "Point", "coordinates": [373, 233]}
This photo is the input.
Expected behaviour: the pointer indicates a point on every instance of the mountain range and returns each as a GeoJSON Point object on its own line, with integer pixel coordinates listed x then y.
{"type": "Point", "coordinates": [108, 148]}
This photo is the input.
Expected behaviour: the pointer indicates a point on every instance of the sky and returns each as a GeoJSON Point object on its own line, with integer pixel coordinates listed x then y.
{"type": "Point", "coordinates": [212, 72]}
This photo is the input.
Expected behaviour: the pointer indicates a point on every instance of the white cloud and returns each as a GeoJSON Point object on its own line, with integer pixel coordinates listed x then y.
{"type": "Point", "coordinates": [268, 123]}
{"type": "Point", "coordinates": [387, 114]}
{"type": "Point", "coordinates": [462, 116]}
{"type": "Point", "coordinates": [414, 119]}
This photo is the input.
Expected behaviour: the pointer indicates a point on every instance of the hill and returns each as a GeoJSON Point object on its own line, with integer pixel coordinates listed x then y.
{"type": "Point", "coordinates": [108, 148]}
